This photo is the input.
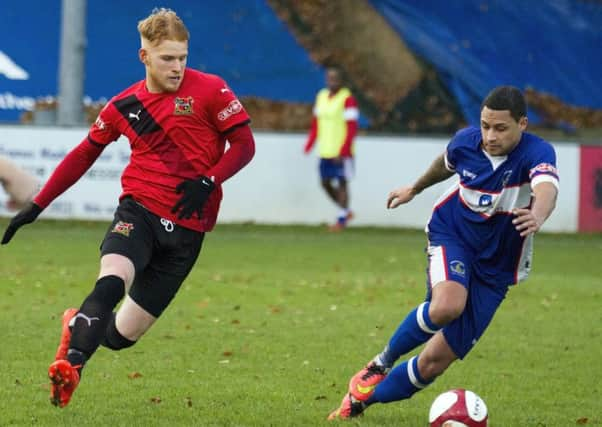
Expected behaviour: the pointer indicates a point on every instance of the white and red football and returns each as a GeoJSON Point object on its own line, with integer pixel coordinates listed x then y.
{"type": "Point", "coordinates": [458, 408]}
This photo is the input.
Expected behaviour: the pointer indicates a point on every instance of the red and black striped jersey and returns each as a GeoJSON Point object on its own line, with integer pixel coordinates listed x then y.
{"type": "Point", "coordinates": [173, 137]}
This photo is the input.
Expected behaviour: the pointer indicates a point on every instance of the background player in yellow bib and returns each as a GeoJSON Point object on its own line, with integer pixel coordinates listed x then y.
{"type": "Point", "coordinates": [334, 126]}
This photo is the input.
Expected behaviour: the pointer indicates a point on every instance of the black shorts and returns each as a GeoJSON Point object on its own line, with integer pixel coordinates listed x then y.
{"type": "Point", "coordinates": [162, 252]}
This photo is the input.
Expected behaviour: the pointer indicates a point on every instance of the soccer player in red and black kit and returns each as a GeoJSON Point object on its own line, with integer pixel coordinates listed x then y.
{"type": "Point", "coordinates": [177, 121]}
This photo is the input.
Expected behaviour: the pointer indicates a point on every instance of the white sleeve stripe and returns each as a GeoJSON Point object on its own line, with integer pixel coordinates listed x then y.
{"type": "Point", "coordinates": [448, 165]}
{"type": "Point", "coordinates": [351, 113]}
{"type": "Point", "coordinates": [545, 178]}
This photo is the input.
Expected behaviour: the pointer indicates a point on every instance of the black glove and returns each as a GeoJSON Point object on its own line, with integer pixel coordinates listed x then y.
{"type": "Point", "coordinates": [195, 193]}
{"type": "Point", "coordinates": [27, 215]}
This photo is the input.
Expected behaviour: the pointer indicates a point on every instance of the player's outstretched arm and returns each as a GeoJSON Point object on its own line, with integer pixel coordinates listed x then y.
{"type": "Point", "coordinates": [26, 216]}
{"type": "Point", "coordinates": [437, 172]}
{"type": "Point", "coordinates": [400, 196]}
{"type": "Point", "coordinates": [529, 221]}
{"type": "Point", "coordinates": [69, 170]}
{"type": "Point", "coordinates": [18, 184]}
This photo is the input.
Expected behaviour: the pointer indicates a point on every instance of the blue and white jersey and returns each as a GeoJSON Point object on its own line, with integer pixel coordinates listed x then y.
{"type": "Point", "coordinates": [477, 210]}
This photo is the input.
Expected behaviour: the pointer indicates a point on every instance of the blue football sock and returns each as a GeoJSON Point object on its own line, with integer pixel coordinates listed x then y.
{"type": "Point", "coordinates": [403, 381]}
{"type": "Point", "coordinates": [416, 329]}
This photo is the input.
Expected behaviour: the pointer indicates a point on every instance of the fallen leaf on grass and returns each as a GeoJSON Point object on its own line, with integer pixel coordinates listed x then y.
{"type": "Point", "coordinates": [582, 420]}
{"type": "Point", "coordinates": [227, 353]}
{"type": "Point", "coordinates": [134, 375]}
{"type": "Point", "coordinates": [155, 399]}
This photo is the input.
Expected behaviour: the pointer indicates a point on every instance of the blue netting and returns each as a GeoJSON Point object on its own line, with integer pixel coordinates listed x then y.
{"type": "Point", "coordinates": [553, 46]}
{"type": "Point", "coordinates": [241, 40]}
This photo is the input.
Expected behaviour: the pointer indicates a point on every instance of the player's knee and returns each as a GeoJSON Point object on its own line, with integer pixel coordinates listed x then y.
{"type": "Point", "coordinates": [443, 312]}
{"type": "Point", "coordinates": [114, 339]}
{"type": "Point", "coordinates": [447, 303]}
{"type": "Point", "coordinates": [117, 265]}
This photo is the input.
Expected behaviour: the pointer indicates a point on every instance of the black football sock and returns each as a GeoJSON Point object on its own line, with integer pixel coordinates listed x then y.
{"type": "Point", "coordinates": [113, 338]}
{"type": "Point", "coordinates": [77, 359]}
{"type": "Point", "coordinates": [90, 323]}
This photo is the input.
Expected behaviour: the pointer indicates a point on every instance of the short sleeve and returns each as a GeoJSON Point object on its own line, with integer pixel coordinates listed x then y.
{"type": "Point", "coordinates": [451, 153]}
{"type": "Point", "coordinates": [103, 131]}
{"type": "Point", "coordinates": [225, 110]}
{"type": "Point", "coordinates": [542, 165]}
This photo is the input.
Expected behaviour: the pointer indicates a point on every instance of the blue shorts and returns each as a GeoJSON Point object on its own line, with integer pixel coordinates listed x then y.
{"type": "Point", "coordinates": [449, 260]}
{"type": "Point", "coordinates": [334, 168]}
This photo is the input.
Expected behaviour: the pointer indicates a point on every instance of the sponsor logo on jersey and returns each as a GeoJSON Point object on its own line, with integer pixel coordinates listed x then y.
{"type": "Point", "coordinates": [485, 200]}
{"type": "Point", "coordinates": [458, 268]}
{"type": "Point", "coordinates": [468, 174]}
{"type": "Point", "coordinates": [183, 105]}
{"type": "Point", "coordinates": [234, 107]}
{"type": "Point", "coordinates": [123, 228]}
{"type": "Point", "coordinates": [543, 168]}
{"type": "Point", "coordinates": [135, 115]}
{"type": "Point", "coordinates": [99, 123]}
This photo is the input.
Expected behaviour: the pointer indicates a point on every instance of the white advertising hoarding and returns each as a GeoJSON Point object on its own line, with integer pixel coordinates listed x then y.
{"type": "Point", "coordinates": [280, 186]}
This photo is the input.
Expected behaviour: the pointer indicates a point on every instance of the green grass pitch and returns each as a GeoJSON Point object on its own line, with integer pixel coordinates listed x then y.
{"type": "Point", "coordinates": [273, 321]}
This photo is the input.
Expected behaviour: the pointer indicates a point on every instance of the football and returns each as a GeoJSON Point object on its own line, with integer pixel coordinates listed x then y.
{"type": "Point", "coordinates": [458, 408]}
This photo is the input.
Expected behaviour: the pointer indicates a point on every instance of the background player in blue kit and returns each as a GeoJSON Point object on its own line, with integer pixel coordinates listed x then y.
{"type": "Point", "coordinates": [480, 239]}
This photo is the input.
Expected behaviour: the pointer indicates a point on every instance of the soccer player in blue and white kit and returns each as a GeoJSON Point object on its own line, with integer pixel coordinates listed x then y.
{"type": "Point", "coordinates": [480, 237]}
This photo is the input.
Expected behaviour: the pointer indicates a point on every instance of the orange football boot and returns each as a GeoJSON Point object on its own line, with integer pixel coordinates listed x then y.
{"type": "Point", "coordinates": [61, 352]}
{"type": "Point", "coordinates": [350, 408]}
{"type": "Point", "coordinates": [362, 384]}
{"type": "Point", "coordinates": [341, 223]}
{"type": "Point", "coordinates": [64, 379]}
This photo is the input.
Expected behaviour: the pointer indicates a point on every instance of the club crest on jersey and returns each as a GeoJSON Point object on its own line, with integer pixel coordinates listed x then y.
{"type": "Point", "coordinates": [234, 107]}
{"type": "Point", "coordinates": [458, 268]}
{"type": "Point", "coordinates": [123, 228]}
{"type": "Point", "coordinates": [183, 105]}
{"type": "Point", "coordinates": [506, 177]}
